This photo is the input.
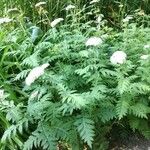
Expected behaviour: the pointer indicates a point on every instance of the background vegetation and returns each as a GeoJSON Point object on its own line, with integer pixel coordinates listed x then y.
{"type": "Point", "coordinates": [113, 10]}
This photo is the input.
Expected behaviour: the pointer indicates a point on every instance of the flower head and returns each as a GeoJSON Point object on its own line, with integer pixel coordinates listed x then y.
{"type": "Point", "coordinates": [70, 7]}
{"type": "Point", "coordinates": [1, 93]}
{"type": "Point", "coordinates": [146, 46]}
{"type": "Point", "coordinates": [144, 57]}
{"type": "Point", "coordinates": [118, 57]}
{"type": "Point", "coordinates": [99, 18]}
{"type": "Point", "coordinates": [141, 13]}
{"type": "Point", "coordinates": [40, 4]}
{"type": "Point", "coordinates": [94, 1]}
{"type": "Point", "coordinates": [89, 13]}
{"type": "Point", "coordinates": [5, 20]}
{"type": "Point", "coordinates": [35, 73]}
{"type": "Point", "coordinates": [120, 6]}
{"type": "Point", "coordinates": [56, 21]}
{"type": "Point", "coordinates": [127, 19]}
{"type": "Point", "coordinates": [94, 41]}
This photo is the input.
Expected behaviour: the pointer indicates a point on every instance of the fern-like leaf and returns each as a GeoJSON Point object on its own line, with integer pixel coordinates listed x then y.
{"type": "Point", "coordinates": [123, 85]}
{"type": "Point", "coordinates": [85, 128]}
{"type": "Point", "coordinates": [122, 107]}
{"type": "Point", "coordinates": [28, 145]}
{"type": "Point", "coordinates": [140, 88]}
{"type": "Point", "coordinates": [140, 110]}
{"type": "Point", "coordinates": [31, 61]}
{"type": "Point", "coordinates": [107, 114]}
{"type": "Point", "coordinates": [42, 137]}
{"type": "Point", "coordinates": [21, 75]}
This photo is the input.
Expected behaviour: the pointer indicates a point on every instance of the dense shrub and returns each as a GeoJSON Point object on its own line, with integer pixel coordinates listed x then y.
{"type": "Point", "coordinates": [82, 93]}
{"type": "Point", "coordinates": [65, 84]}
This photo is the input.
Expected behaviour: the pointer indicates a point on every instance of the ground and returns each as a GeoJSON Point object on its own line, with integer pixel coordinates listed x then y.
{"type": "Point", "coordinates": [133, 142]}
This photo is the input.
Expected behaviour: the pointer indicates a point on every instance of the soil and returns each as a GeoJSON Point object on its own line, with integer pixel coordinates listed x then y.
{"type": "Point", "coordinates": [134, 142]}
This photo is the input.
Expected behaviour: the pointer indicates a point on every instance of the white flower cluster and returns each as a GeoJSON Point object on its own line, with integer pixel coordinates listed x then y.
{"type": "Point", "coordinates": [94, 41]}
{"type": "Point", "coordinates": [70, 7]}
{"type": "Point", "coordinates": [118, 57]}
{"type": "Point", "coordinates": [121, 5]}
{"type": "Point", "coordinates": [99, 18]}
{"type": "Point", "coordinates": [40, 4]}
{"type": "Point", "coordinates": [94, 1]}
{"type": "Point", "coordinates": [35, 73]}
{"type": "Point", "coordinates": [1, 93]}
{"type": "Point", "coordinates": [127, 19]}
{"type": "Point", "coordinates": [5, 20]}
{"type": "Point", "coordinates": [144, 57]}
{"type": "Point", "coordinates": [56, 21]}
{"type": "Point", "coordinates": [146, 46]}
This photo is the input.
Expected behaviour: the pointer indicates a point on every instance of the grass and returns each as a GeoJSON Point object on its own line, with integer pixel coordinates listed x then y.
{"type": "Point", "coordinates": [55, 8]}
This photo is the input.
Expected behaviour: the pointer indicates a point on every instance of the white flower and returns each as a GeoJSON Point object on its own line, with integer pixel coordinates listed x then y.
{"type": "Point", "coordinates": [94, 41]}
{"type": "Point", "coordinates": [146, 46]}
{"type": "Point", "coordinates": [1, 93]}
{"type": "Point", "coordinates": [94, 1]}
{"type": "Point", "coordinates": [144, 57]}
{"type": "Point", "coordinates": [99, 18]}
{"type": "Point", "coordinates": [70, 7]}
{"type": "Point", "coordinates": [56, 21]}
{"type": "Point", "coordinates": [5, 20]}
{"type": "Point", "coordinates": [118, 57]}
{"type": "Point", "coordinates": [140, 13]}
{"type": "Point", "coordinates": [35, 73]}
{"type": "Point", "coordinates": [127, 19]}
{"type": "Point", "coordinates": [89, 13]}
{"type": "Point", "coordinates": [40, 4]}
{"type": "Point", "coordinates": [120, 6]}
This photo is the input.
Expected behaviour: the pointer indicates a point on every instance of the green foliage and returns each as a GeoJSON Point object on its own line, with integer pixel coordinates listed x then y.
{"type": "Point", "coordinates": [122, 107]}
{"type": "Point", "coordinates": [114, 11]}
{"type": "Point", "coordinates": [43, 137]}
{"type": "Point", "coordinates": [76, 100]}
{"type": "Point", "coordinates": [85, 128]}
